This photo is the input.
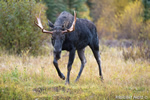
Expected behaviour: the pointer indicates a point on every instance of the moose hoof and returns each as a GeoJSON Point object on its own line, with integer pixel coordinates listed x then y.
{"type": "Point", "coordinates": [76, 80]}
{"type": "Point", "coordinates": [62, 77]}
{"type": "Point", "coordinates": [101, 77]}
{"type": "Point", "coordinates": [67, 83]}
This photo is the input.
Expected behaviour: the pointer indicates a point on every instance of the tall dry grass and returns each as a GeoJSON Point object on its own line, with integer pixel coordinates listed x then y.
{"type": "Point", "coordinates": [28, 77]}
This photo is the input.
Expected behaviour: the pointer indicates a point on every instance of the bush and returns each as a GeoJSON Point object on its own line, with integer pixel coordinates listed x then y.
{"type": "Point", "coordinates": [18, 31]}
{"type": "Point", "coordinates": [106, 27]}
{"type": "Point", "coordinates": [131, 21]}
{"type": "Point", "coordinates": [145, 32]}
{"type": "Point", "coordinates": [140, 50]}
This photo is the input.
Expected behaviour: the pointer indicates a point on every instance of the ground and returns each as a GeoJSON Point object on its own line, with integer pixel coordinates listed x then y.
{"type": "Point", "coordinates": [27, 77]}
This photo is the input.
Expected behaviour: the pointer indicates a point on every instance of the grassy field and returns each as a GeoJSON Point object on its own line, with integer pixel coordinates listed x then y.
{"type": "Point", "coordinates": [35, 78]}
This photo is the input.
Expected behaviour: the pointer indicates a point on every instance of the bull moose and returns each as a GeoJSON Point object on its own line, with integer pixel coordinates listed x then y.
{"type": "Point", "coordinates": [71, 34]}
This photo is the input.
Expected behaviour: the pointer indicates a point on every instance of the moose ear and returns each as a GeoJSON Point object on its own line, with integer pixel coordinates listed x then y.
{"type": "Point", "coordinates": [50, 24]}
{"type": "Point", "coordinates": [63, 27]}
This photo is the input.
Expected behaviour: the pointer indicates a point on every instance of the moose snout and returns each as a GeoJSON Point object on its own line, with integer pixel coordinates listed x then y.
{"type": "Point", "coordinates": [57, 53]}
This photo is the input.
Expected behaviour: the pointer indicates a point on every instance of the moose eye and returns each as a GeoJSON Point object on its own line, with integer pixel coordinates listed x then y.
{"type": "Point", "coordinates": [53, 40]}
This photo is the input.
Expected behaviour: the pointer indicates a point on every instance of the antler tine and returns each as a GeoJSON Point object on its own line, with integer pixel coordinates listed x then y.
{"type": "Point", "coordinates": [39, 24]}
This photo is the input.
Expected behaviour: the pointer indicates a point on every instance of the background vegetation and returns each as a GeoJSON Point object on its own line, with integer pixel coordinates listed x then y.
{"type": "Point", "coordinates": [26, 69]}
{"type": "Point", "coordinates": [115, 19]}
{"type": "Point", "coordinates": [18, 31]}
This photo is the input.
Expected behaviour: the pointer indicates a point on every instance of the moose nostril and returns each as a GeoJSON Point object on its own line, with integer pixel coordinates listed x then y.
{"type": "Point", "coordinates": [57, 51]}
{"type": "Point", "coordinates": [54, 51]}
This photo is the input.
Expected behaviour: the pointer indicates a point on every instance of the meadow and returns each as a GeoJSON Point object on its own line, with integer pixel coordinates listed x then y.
{"type": "Point", "coordinates": [27, 77]}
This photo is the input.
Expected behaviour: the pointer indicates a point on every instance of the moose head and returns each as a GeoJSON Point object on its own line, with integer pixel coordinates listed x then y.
{"type": "Point", "coordinates": [58, 34]}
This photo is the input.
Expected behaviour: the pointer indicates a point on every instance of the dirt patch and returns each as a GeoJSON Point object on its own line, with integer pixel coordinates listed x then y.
{"type": "Point", "coordinates": [54, 89]}
{"type": "Point", "coordinates": [53, 98]}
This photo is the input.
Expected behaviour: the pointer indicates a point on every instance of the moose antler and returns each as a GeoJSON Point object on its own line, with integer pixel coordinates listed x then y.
{"type": "Point", "coordinates": [72, 28]}
{"type": "Point", "coordinates": [39, 24]}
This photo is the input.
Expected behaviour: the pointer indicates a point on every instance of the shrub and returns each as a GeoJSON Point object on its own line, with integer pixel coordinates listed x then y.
{"type": "Point", "coordinates": [131, 21]}
{"type": "Point", "coordinates": [145, 32]}
{"type": "Point", "coordinates": [18, 31]}
{"type": "Point", "coordinates": [140, 50]}
{"type": "Point", "coordinates": [106, 24]}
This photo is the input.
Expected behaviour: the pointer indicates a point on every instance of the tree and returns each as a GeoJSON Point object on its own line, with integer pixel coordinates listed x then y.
{"type": "Point", "coordinates": [55, 7]}
{"type": "Point", "coordinates": [131, 21]}
{"type": "Point", "coordinates": [96, 8]}
{"type": "Point", "coordinates": [104, 16]}
{"type": "Point", "coordinates": [120, 5]}
{"type": "Point", "coordinates": [146, 4]}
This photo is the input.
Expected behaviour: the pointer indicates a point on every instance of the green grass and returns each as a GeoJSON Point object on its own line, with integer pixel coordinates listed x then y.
{"type": "Point", "coordinates": [29, 77]}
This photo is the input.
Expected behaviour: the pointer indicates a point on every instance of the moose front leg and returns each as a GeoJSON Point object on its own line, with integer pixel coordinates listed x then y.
{"type": "Point", "coordinates": [69, 66]}
{"type": "Point", "coordinates": [58, 70]}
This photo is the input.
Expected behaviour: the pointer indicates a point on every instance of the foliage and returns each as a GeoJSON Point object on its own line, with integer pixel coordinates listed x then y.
{"type": "Point", "coordinates": [96, 8]}
{"type": "Point", "coordinates": [99, 7]}
{"type": "Point", "coordinates": [105, 14]}
{"type": "Point", "coordinates": [77, 5]}
{"type": "Point", "coordinates": [18, 31]}
{"type": "Point", "coordinates": [146, 4]}
{"type": "Point", "coordinates": [28, 77]}
{"type": "Point", "coordinates": [120, 5]}
{"type": "Point", "coordinates": [131, 21]}
{"type": "Point", "coordinates": [140, 51]}
{"type": "Point", "coordinates": [125, 23]}
{"type": "Point", "coordinates": [106, 23]}
{"type": "Point", "coordinates": [86, 13]}
{"type": "Point", "coordinates": [55, 7]}
{"type": "Point", "coordinates": [115, 19]}
{"type": "Point", "coordinates": [145, 32]}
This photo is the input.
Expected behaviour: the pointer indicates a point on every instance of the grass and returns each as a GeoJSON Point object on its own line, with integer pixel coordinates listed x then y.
{"type": "Point", "coordinates": [35, 78]}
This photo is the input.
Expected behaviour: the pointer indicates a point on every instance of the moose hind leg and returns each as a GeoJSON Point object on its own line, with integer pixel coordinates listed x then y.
{"type": "Point", "coordinates": [83, 62]}
{"type": "Point", "coordinates": [98, 59]}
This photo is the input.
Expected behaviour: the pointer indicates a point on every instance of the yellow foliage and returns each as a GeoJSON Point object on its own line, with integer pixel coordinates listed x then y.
{"type": "Point", "coordinates": [106, 23]}
{"type": "Point", "coordinates": [86, 13]}
{"type": "Point", "coordinates": [120, 5]}
{"type": "Point", "coordinates": [120, 19]}
{"type": "Point", "coordinates": [131, 20]}
{"type": "Point", "coordinates": [105, 28]}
